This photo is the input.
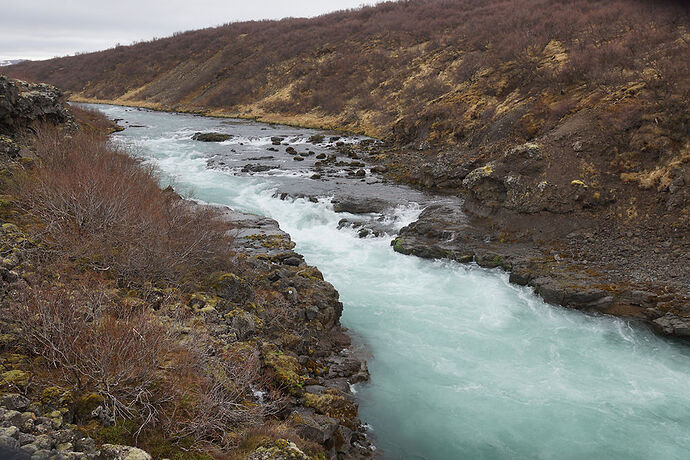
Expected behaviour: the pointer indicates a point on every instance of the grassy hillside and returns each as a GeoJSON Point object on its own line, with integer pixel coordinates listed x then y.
{"type": "Point", "coordinates": [603, 85]}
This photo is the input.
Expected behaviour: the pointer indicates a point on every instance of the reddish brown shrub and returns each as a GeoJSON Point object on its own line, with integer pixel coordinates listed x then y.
{"type": "Point", "coordinates": [97, 204]}
{"type": "Point", "coordinates": [217, 391]}
{"type": "Point", "coordinates": [97, 346]}
{"type": "Point", "coordinates": [135, 361]}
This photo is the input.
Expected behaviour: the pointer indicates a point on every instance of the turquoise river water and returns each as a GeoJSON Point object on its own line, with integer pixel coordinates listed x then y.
{"type": "Point", "coordinates": [464, 365]}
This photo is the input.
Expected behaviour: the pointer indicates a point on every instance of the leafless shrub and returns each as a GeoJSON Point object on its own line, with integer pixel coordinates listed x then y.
{"type": "Point", "coordinates": [99, 205]}
{"type": "Point", "coordinates": [96, 345]}
{"type": "Point", "coordinates": [217, 392]}
{"type": "Point", "coordinates": [139, 365]}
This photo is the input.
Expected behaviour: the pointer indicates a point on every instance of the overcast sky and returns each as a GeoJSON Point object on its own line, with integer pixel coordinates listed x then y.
{"type": "Point", "coordinates": [41, 29]}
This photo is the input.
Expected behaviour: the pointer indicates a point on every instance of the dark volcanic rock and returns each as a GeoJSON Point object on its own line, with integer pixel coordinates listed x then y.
{"type": "Point", "coordinates": [22, 104]}
{"type": "Point", "coordinates": [356, 205]}
{"type": "Point", "coordinates": [445, 232]}
{"type": "Point", "coordinates": [257, 168]}
{"type": "Point", "coordinates": [8, 147]}
{"type": "Point", "coordinates": [211, 137]}
{"type": "Point", "coordinates": [671, 324]}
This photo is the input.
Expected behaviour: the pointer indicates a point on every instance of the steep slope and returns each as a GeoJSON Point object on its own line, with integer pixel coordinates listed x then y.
{"type": "Point", "coordinates": [553, 118]}
{"type": "Point", "coordinates": [474, 77]}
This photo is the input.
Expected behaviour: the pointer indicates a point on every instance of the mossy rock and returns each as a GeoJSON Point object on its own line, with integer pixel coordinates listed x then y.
{"type": "Point", "coordinates": [290, 340]}
{"type": "Point", "coordinates": [286, 369]}
{"type": "Point", "coordinates": [311, 273]}
{"type": "Point", "coordinates": [16, 378]}
{"type": "Point", "coordinates": [273, 241]}
{"type": "Point", "coordinates": [203, 302]}
{"type": "Point", "coordinates": [232, 288]}
{"type": "Point", "coordinates": [56, 397]}
{"type": "Point", "coordinates": [333, 405]}
{"type": "Point", "coordinates": [280, 450]}
{"type": "Point", "coordinates": [465, 259]}
{"type": "Point", "coordinates": [244, 323]}
{"type": "Point", "coordinates": [56, 417]}
{"type": "Point", "coordinates": [85, 405]}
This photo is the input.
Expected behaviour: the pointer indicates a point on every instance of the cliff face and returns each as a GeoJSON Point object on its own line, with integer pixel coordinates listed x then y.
{"type": "Point", "coordinates": [23, 103]}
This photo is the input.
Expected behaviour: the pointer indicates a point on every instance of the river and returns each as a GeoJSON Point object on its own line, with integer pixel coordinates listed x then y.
{"type": "Point", "coordinates": [463, 364]}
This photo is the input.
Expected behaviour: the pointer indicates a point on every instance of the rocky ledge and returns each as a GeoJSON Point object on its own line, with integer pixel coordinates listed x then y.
{"type": "Point", "coordinates": [22, 104]}
{"type": "Point", "coordinates": [27, 431]}
{"type": "Point", "coordinates": [319, 369]}
{"type": "Point", "coordinates": [590, 270]}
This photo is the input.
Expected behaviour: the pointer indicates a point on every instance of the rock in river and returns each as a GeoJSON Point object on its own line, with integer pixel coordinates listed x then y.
{"type": "Point", "coordinates": [211, 137]}
{"type": "Point", "coordinates": [359, 205]}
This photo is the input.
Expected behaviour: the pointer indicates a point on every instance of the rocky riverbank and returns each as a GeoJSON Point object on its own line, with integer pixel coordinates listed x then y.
{"type": "Point", "coordinates": [321, 366]}
{"type": "Point", "coordinates": [563, 238]}
{"type": "Point", "coordinates": [266, 330]}
{"type": "Point", "coordinates": [517, 215]}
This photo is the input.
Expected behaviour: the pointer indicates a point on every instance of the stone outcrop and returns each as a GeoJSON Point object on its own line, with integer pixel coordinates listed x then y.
{"type": "Point", "coordinates": [23, 103]}
{"type": "Point", "coordinates": [29, 431]}
{"type": "Point", "coordinates": [519, 182]}
{"type": "Point", "coordinates": [211, 137]}
{"type": "Point", "coordinates": [571, 275]}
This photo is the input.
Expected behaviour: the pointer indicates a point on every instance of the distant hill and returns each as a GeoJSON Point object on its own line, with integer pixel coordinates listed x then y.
{"type": "Point", "coordinates": [602, 85]}
{"type": "Point", "coordinates": [5, 62]}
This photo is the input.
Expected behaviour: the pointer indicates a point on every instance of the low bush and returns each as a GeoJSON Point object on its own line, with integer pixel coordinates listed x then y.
{"type": "Point", "coordinates": [96, 204]}
{"type": "Point", "coordinates": [133, 368]}
{"type": "Point", "coordinates": [96, 345]}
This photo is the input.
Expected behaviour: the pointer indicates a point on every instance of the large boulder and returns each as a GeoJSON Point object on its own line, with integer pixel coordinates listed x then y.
{"type": "Point", "coordinates": [671, 324]}
{"type": "Point", "coordinates": [22, 104]}
{"type": "Point", "coordinates": [117, 452]}
{"type": "Point", "coordinates": [360, 205]}
{"type": "Point", "coordinates": [211, 137]}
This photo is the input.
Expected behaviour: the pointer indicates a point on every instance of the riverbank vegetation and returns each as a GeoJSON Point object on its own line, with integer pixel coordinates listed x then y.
{"type": "Point", "coordinates": [128, 315]}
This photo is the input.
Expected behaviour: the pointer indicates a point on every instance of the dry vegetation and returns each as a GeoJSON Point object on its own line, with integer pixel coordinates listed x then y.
{"type": "Point", "coordinates": [465, 78]}
{"type": "Point", "coordinates": [398, 60]}
{"type": "Point", "coordinates": [105, 277]}
{"type": "Point", "coordinates": [99, 204]}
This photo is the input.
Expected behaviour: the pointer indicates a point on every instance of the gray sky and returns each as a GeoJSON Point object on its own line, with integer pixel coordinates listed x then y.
{"type": "Point", "coordinates": [41, 29]}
